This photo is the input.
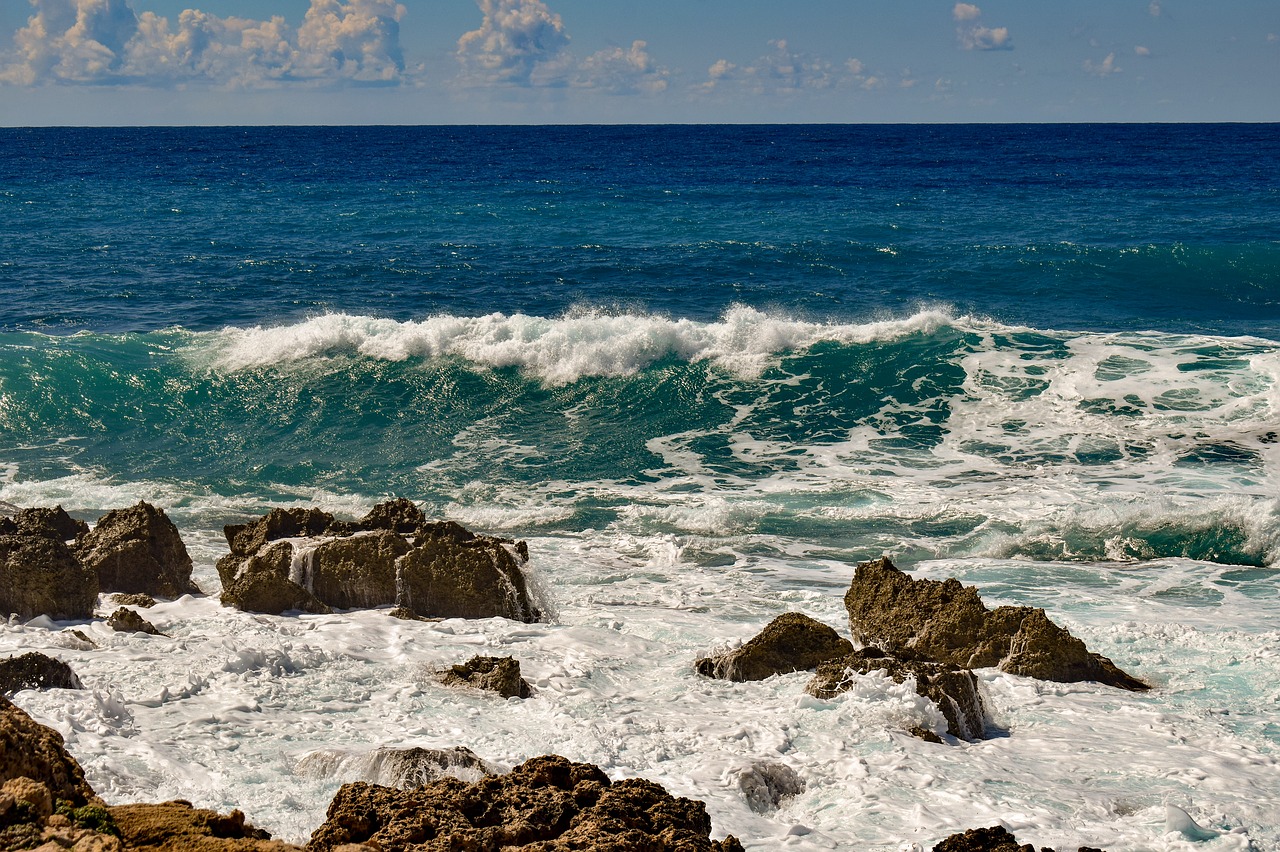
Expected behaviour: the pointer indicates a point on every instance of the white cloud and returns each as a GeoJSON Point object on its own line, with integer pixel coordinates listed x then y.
{"type": "Point", "coordinates": [1141, 50]}
{"type": "Point", "coordinates": [519, 42]}
{"type": "Point", "coordinates": [623, 71]}
{"type": "Point", "coordinates": [784, 70]}
{"type": "Point", "coordinates": [105, 41]}
{"type": "Point", "coordinates": [1153, 9]}
{"type": "Point", "coordinates": [973, 35]}
{"type": "Point", "coordinates": [1105, 68]}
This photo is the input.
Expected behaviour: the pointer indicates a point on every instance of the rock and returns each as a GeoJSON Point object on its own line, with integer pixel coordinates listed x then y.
{"type": "Point", "coordinates": [792, 642]}
{"type": "Point", "coordinates": [142, 600]}
{"type": "Point", "coordinates": [953, 689]}
{"type": "Point", "coordinates": [358, 571]}
{"type": "Point", "coordinates": [127, 620]}
{"type": "Point", "coordinates": [260, 583]}
{"type": "Point", "coordinates": [49, 523]}
{"type": "Point", "coordinates": [248, 539]}
{"type": "Point", "coordinates": [138, 550]}
{"type": "Point", "coordinates": [36, 671]}
{"type": "Point", "coordinates": [402, 768]}
{"type": "Point", "coordinates": [547, 803]}
{"type": "Point", "coordinates": [179, 827]}
{"type": "Point", "coordinates": [492, 674]}
{"type": "Point", "coordinates": [946, 622]}
{"type": "Point", "coordinates": [452, 573]}
{"type": "Point", "coordinates": [766, 785]}
{"type": "Point", "coordinates": [37, 796]}
{"type": "Point", "coordinates": [29, 749]}
{"type": "Point", "coordinates": [399, 516]}
{"type": "Point", "coordinates": [41, 576]}
{"type": "Point", "coordinates": [994, 839]}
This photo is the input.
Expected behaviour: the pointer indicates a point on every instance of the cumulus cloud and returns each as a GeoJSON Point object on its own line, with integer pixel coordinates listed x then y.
{"type": "Point", "coordinates": [1141, 50]}
{"type": "Point", "coordinates": [1105, 68]}
{"type": "Point", "coordinates": [623, 71]}
{"type": "Point", "coordinates": [973, 35]}
{"type": "Point", "coordinates": [1153, 9]}
{"type": "Point", "coordinates": [784, 70]}
{"type": "Point", "coordinates": [105, 41]}
{"type": "Point", "coordinates": [519, 42]}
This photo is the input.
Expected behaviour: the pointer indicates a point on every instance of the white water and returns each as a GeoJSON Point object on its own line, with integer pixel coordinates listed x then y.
{"type": "Point", "coordinates": [223, 709]}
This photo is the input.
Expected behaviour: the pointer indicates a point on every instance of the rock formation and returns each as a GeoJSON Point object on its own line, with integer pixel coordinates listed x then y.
{"type": "Point", "coordinates": [994, 839]}
{"type": "Point", "coordinates": [792, 642]}
{"type": "Point", "coordinates": [946, 622]}
{"type": "Point", "coordinates": [126, 620]}
{"type": "Point", "coordinates": [36, 671]}
{"type": "Point", "coordinates": [953, 689]}
{"type": "Point", "coordinates": [766, 786]}
{"type": "Point", "coordinates": [547, 803]}
{"type": "Point", "coordinates": [492, 674]}
{"type": "Point", "coordinates": [40, 575]}
{"type": "Point", "coordinates": [304, 559]}
{"type": "Point", "coordinates": [49, 523]}
{"type": "Point", "coordinates": [30, 750]}
{"type": "Point", "coordinates": [138, 550]}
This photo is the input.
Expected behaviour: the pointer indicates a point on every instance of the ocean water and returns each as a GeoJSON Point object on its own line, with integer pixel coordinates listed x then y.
{"type": "Point", "coordinates": [703, 371]}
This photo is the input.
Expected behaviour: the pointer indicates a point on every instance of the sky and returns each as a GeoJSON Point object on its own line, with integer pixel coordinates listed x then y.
{"type": "Point", "coordinates": [217, 62]}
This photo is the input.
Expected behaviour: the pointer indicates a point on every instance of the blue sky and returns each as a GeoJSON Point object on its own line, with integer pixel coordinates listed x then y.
{"type": "Point", "coordinates": [551, 61]}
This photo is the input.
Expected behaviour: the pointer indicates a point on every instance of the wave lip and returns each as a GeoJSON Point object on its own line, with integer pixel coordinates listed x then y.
{"type": "Point", "coordinates": [558, 350]}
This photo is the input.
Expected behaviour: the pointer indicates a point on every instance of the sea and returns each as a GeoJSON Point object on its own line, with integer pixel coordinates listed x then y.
{"type": "Point", "coordinates": [703, 371]}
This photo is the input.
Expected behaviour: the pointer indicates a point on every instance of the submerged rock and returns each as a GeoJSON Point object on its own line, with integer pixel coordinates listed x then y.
{"type": "Point", "coordinates": [305, 559]}
{"type": "Point", "coordinates": [947, 622]}
{"type": "Point", "coordinates": [40, 575]}
{"type": "Point", "coordinates": [402, 768]}
{"type": "Point", "coordinates": [138, 550]}
{"type": "Point", "coordinates": [792, 642]}
{"type": "Point", "coordinates": [492, 674]}
{"type": "Point", "coordinates": [766, 786]}
{"type": "Point", "coordinates": [547, 803]}
{"type": "Point", "coordinates": [126, 620]}
{"type": "Point", "coordinates": [953, 689]}
{"type": "Point", "coordinates": [36, 671]}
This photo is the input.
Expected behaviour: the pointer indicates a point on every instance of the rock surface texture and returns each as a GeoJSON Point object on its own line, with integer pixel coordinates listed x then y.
{"type": "Point", "coordinates": [546, 804]}
{"type": "Point", "coordinates": [40, 575]}
{"type": "Point", "coordinates": [36, 671]}
{"type": "Point", "coordinates": [994, 839]}
{"type": "Point", "coordinates": [953, 689]}
{"type": "Point", "coordinates": [792, 642]}
{"type": "Point", "coordinates": [305, 559]}
{"type": "Point", "coordinates": [491, 674]}
{"type": "Point", "coordinates": [138, 550]}
{"type": "Point", "coordinates": [947, 622]}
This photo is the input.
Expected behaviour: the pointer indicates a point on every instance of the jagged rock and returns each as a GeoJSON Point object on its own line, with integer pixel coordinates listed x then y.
{"type": "Point", "coordinates": [305, 559]}
{"type": "Point", "coordinates": [260, 583]}
{"type": "Point", "coordinates": [452, 573]}
{"type": "Point", "coordinates": [141, 600]}
{"type": "Point", "coordinates": [29, 749]}
{"type": "Point", "coordinates": [138, 549]}
{"type": "Point", "coordinates": [994, 839]}
{"type": "Point", "coordinates": [399, 515]}
{"type": "Point", "coordinates": [547, 803]}
{"type": "Point", "coordinates": [947, 622]}
{"type": "Point", "coordinates": [953, 689]}
{"type": "Point", "coordinates": [126, 620]}
{"type": "Point", "coordinates": [48, 523]}
{"type": "Point", "coordinates": [179, 827]}
{"type": "Point", "coordinates": [41, 576]}
{"type": "Point", "coordinates": [792, 642]}
{"type": "Point", "coordinates": [36, 671]}
{"type": "Point", "coordinates": [492, 674]}
{"type": "Point", "coordinates": [766, 785]}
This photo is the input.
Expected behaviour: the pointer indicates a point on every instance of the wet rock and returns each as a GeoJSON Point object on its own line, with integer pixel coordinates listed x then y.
{"type": "Point", "coordinates": [126, 620]}
{"type": "Point", "coordinates": [766, 786]}
{"type": "Point", "coordinates": [141, 600]}
{"type": "Point", "coordinates": [41, 576]}
{"type": "Point", "coordinates": [547, 803]}
{"type": "Point", "coordinates": [358, 571]}
{"type": "Point", "coordinates": [138, 549]}
{"type": "Point", "coordinates": [399, 516]}
{"type": "Point", "coordinates": [260, 583]}
{"type": "Point", "coordinates": [49, 523]}
{"type": "Point", "coordinates": [994, 839]}
{"type": "Point", "coordinates": [248, 539]}
{"type": "Point", "coordinates": [29, 749]}
{"type": "Point", "coordinates": [402, 768]}
{"type": "Point", "coordinates": [953, 689]}
{"type": "Point", "coordinates": [179, 827]}
{"type": "Point", "coordinates": [452, 573]}
{"type": "Point", "coordinates": [792, 642]}
{"type": "Point", "coordinates": [947, 622]}
{"type": "Point", "coordinates": [492, 674]}
{"type": "Point", "coordinates": [36, 671]}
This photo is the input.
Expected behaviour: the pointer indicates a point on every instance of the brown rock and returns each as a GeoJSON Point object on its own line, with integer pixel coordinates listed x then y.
{"type": "Point", "coordinates": [546, 804]}
{"type": "Point", "coordinates": [138, 550]}
{"type": "Point", "coordinates": [50, 523]}
{"type": "Point", "coordinates": [179, 827]}
{"type": "Point", "coordinates": [260, 583]}
{"type": "Point", "coordinates": [41, 576]}
{"type": "Point", "coordinates": [948, 623]}
{"type": "Point", "coordinates": [248, 539]}
{"type": "Point", "coordinates": [399, 516]}
{"type": "Point", "coordinates": [142, 600]}
{"type": "Point", "coordinates": [448, 575]}
{"type": "Point", "coordinates": [358, 571]}
{"type": "Point", "coordinates": [126, 620]}
{"type": "Point", "coordinates": [37, 796]}
{"type": "Point", "coordinates": [29, 749]}
{"type": "Point", "coordinates": [953, 689]}
{"type": "Point", "coordinates": [492, 674]}
{"type": "Point", "coordinates": [994, 839]}
{"type": "Point", "coordinates": [34, 670]}
{"type": "Point", "coordinates": [792, 642]}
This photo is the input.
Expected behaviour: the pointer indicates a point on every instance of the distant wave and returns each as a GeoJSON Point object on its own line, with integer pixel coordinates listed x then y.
{"type": "Point", "coordinates": [558, 350]}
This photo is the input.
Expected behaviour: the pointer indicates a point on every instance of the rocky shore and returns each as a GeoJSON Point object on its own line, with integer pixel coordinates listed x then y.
{"type": "Point", "coordinates": [931, 634]}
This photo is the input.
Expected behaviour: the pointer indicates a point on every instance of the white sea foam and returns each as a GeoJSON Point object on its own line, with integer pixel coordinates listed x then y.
{"type": "Point", "coordinates": [557, 350]}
